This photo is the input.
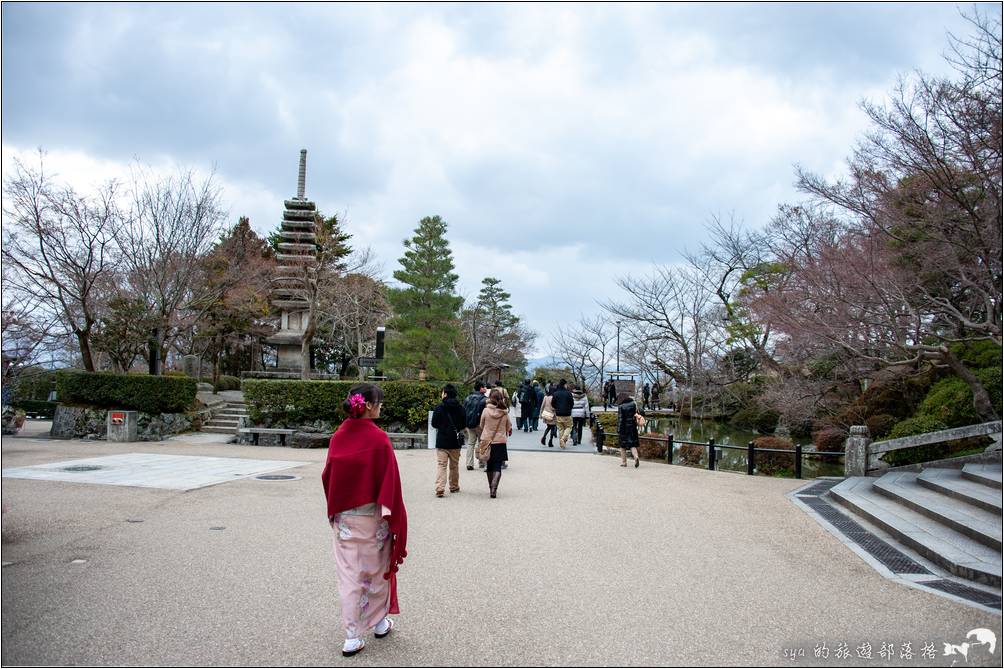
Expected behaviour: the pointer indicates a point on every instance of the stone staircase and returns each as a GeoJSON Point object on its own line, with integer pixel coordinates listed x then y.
{"type": "Point", "coordinates": [227, 419]}
{"type": "Point", "coordinates": [951, 517]}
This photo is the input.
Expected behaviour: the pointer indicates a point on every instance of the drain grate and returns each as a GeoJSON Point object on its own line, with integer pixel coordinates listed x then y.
{"type": "Point", "coordinates": [81, 468]}
{"type": "Point", "coordinates": [817, 488]}
{"type": "Point", "coordinates": [893, 559]}
{"type": "Point", "coordinates": [277, 477]}
{"type": "Point", "coordinates": [965, 592]}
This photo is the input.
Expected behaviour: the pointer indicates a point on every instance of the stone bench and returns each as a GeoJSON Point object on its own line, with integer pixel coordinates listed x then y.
{"type": "Point", "coordinates": [256, 432]}
{"type": "Point", "coordinates": [410, 437]}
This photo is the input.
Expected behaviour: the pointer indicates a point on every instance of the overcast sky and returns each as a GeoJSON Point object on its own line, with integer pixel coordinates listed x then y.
{"type": "Point", "coordinates": [565, 145]}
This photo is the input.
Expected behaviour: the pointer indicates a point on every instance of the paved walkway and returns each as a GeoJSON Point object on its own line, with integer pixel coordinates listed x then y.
{"type": "Point", "coordinates": [578, 562]}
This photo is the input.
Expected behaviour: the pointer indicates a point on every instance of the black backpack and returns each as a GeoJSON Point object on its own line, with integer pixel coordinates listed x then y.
{"type": "Point", "coordinates": [473, 406]}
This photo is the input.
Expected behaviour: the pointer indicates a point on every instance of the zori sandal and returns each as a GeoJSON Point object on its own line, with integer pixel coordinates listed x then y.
{"type": "Point", "coordinates": [389, 628]}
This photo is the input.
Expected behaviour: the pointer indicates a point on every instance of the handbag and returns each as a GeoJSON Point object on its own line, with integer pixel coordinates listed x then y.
{"type": "Point", "coordinates": [547, 415]}
{"type": "Point", "coordinates": [639, 420]}
{"type": "Point", "coordinates": [485, 446]}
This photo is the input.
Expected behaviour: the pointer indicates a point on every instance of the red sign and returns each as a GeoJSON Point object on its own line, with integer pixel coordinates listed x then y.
{"type": "Point", "coordinates": [118, 418]}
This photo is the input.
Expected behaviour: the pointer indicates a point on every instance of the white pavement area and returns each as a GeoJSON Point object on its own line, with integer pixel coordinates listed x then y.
{"type": "Point", "coordinates": [150, 470]}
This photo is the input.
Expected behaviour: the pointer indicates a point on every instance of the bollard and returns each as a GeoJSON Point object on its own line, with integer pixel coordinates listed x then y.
{"type": "Point", "coordinates": [711, 454]}
{"type": "Point", "coordinates": [798, 461]}
{"type": "Point", "coordinates": [669, 451]}
{"type": "Point", "coordinates": [750, 458]}
{"type": "Point", "coordinates": [600, 437]}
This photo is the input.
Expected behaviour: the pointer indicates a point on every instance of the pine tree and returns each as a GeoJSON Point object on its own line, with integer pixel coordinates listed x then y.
{"type": "Point", "coordinates": [425, 328]}
{"type": "Point", "coordinates": [493, 334]}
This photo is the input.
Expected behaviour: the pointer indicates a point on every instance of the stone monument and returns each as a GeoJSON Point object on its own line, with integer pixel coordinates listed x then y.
{"type": "Point", "coordinates": [297, 255]}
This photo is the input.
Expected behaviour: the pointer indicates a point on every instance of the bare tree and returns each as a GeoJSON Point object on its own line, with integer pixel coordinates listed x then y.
{"type": "Point", "coordinates": [174, 221]}
{"type": "Point", "coordinates": [493, 335]}
{"type": "Point", "coordinates": [60, 245]}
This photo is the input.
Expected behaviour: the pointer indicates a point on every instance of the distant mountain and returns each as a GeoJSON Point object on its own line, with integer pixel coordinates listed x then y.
{"type": "Point", "coordinates": [534, 363]}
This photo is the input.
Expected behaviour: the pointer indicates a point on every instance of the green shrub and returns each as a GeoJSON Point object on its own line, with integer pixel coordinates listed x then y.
{"type": "Point", "coordinates": [880, 425]}
{"type": "Point", "coordinates": [33, 384]}
{"type": "Point", "coordinates": [226, 382]}
{"type": "Point", "coordinates": [774, 463]}
{"type": "Point", "coordinates": [950, 400]}
{"type": "Point", "coordinates": [296, 402]}
{"type": "Point", "coordinates": [978, 354]}
{"type": "Point", "coordinates": [149, 394]}
{"type": "Point", "coordinates": [755, 418]}
{"type": "Point", "coordinates": [916, 425]}
{"type": "Point", "coordinates": [42, 408]}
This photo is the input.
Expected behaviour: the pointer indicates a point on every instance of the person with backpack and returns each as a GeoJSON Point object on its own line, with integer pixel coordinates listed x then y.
{"type": "Point", "coordinates": [449, 421]}
{"type": "Point", "coordinates": [550, 427]}
{"type": "Point", "coordinates": [646, 392]}
{"type": "Point", "coordinates": [611, 394]}
{"type": "Point", "coordinates": [474, 404]}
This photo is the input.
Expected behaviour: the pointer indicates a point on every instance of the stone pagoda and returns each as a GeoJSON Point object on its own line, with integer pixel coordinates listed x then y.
{"type": "Point", "coordinates": [297, 254]}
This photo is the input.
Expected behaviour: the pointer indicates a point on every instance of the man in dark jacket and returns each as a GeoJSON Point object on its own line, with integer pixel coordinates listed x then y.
{"type": "Point", "coordinates": [474, 404]}
{"type": "Point", "coordinates": [527, 398]}
{"type": "Point", "coordinates": [646, 392]}
{"type": "Point", "coordinates": [562, 402]}
{"type": "Point", "coordinates": [538, 400]}
{"type": "Point", "coordinates": [449, 421]}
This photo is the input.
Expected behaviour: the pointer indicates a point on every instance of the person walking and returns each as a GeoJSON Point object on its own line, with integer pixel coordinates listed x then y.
{"type": "Point", "coordinates": [517, 410]}
{"type": "Point", "coordinates": [606, 387]}
{"type": "Point", "coordinates": [656, 391]}
{"type": "Point", "coordinates": [449, 421]}
{"type": "Point", "coordinates": [550, 426]}
{"type": "Point", "coordinates": [474, 404]}
{"type": "Point", "coordinates": [628, 417]}
{"type": "Point", "coordinates": [527, 398]}
{"type": "Point", "coordinates": [538, 398]}
{"type": "Point", "coordinates": [562, 402]}
{"type": "Point", "coordinates": [365, 508]}
{"type": "Point", "coordinates": [646, 392]}
{"type": "Point", "coordinates": [495, 431]}
{"type": "Point", "coordinates": [580, 412]}
{"type": "Point", "coordinates": [612, 394]}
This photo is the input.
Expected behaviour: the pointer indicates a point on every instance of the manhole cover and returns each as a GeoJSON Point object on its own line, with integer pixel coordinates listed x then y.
{"type": "Point", "coordinates": [277, 477]}
{"type": "Point", "coordinates": [82, 468]}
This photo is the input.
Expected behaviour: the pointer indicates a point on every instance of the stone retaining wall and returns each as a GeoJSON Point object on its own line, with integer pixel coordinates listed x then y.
{"type": "Point", "coordinates": [88, 423]}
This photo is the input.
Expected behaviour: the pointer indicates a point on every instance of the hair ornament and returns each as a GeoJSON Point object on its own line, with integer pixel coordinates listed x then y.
{"type": "Point", "coordinates": [357, 405]}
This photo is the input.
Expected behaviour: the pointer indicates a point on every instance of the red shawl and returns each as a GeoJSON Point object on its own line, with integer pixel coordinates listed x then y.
{"type": "Point", "coordinates": [361, 469]}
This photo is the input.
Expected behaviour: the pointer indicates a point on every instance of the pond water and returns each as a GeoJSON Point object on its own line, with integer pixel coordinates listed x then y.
{"type": "Point", "coordinates": [731, 459]}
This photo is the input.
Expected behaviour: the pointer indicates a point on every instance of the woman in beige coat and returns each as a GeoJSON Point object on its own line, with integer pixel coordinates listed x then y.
{"type": "Point", "coordinates": [551, 426]}
{"type": "Point", "coordinates": [495, 430]}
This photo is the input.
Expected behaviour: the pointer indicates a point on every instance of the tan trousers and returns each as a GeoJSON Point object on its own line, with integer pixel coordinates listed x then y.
{"type": "Point", "coordinates": [564, 429]}
{"type": "Point", "coordinates": [444, 456]}
{"type": "Point", "coordinates": [473, 434]}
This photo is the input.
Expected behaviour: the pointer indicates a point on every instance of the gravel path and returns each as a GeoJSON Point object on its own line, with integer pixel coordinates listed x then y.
{"type": "Point", "coordinates": [578, 562]}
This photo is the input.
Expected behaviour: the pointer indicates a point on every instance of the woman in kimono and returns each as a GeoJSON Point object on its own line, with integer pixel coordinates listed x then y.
{"type": "Point", "coordinates": [366, 511]}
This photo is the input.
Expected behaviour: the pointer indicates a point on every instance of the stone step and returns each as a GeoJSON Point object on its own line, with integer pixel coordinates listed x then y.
{"type": "Point", "coordinates": [938, 543]}
{"type": "Point", "coordinates": [230, 415]}
{"type": "Point", "coordinates": [219, 430]}
{"type": "Point", "coordinates": [214, 422]}
{"type": "Point", "coordinates": [976, 523]}
{"type": "Point", "coordinates": [950, 482]}
{"type": "Point", "coordinates": [988, 475]}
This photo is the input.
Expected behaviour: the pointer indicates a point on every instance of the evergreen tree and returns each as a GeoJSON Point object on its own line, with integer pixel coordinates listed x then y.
{"type": "Point", "coordinates": [425, 327]}
{"type": "Point", "coordinates": [493, 334]}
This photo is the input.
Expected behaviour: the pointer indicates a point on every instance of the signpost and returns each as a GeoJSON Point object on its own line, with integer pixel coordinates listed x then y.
{"type": "Point", "coordinates": [369, 362]}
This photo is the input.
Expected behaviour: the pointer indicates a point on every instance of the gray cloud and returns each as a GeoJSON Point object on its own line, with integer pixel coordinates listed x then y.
{"type": "Point", "coordinates": [563, 143]}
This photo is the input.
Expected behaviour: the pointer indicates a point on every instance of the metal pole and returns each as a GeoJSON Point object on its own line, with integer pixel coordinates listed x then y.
{"type": "Point", "coordinates": [669, 451]}
{"type": "Point", "coordinates": [711, 454]}
{"type": "Point", "coordinates": [750, 458]}
{"type": "Point", "coordinates": [618, 346]}
{"type": "Point", "coordinates": [798, 461]}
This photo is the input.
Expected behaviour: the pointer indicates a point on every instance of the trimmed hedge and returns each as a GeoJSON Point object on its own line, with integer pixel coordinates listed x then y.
{"type": "Point", "coordinates": [296, 402]}
{"type": "Point", "coordinates": [42, 408]}
{"type": "Point", "coordinates": [149, 394]}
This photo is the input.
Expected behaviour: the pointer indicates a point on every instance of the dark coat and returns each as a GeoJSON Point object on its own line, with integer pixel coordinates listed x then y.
{"type": "Point", "coordinates": [446, 431]}
{"type": "Point", "coordinates": [540, 400]}
{"type": "Point", "coordinates": [627, 429]}
{"type": "Point", "coordinates": [562, 402]}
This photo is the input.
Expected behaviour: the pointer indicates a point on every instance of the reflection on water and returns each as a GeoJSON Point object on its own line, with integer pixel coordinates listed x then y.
{"type": "Point", "coordinates": [732, 459]}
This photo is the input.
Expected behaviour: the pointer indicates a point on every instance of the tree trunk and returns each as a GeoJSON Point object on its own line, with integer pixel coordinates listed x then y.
{"type": "Point", "coordinates": [84, 340]}
{"type": "Point", "coordinates": [216, 363]}
{"type": "Point", "coordinates": [981, 399]}
{"type": "Point", "coordinates": [308, 337]}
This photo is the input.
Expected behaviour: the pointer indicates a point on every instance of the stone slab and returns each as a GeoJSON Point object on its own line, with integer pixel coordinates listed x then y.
{"type": "Point", "coordinates": [150, 470]}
